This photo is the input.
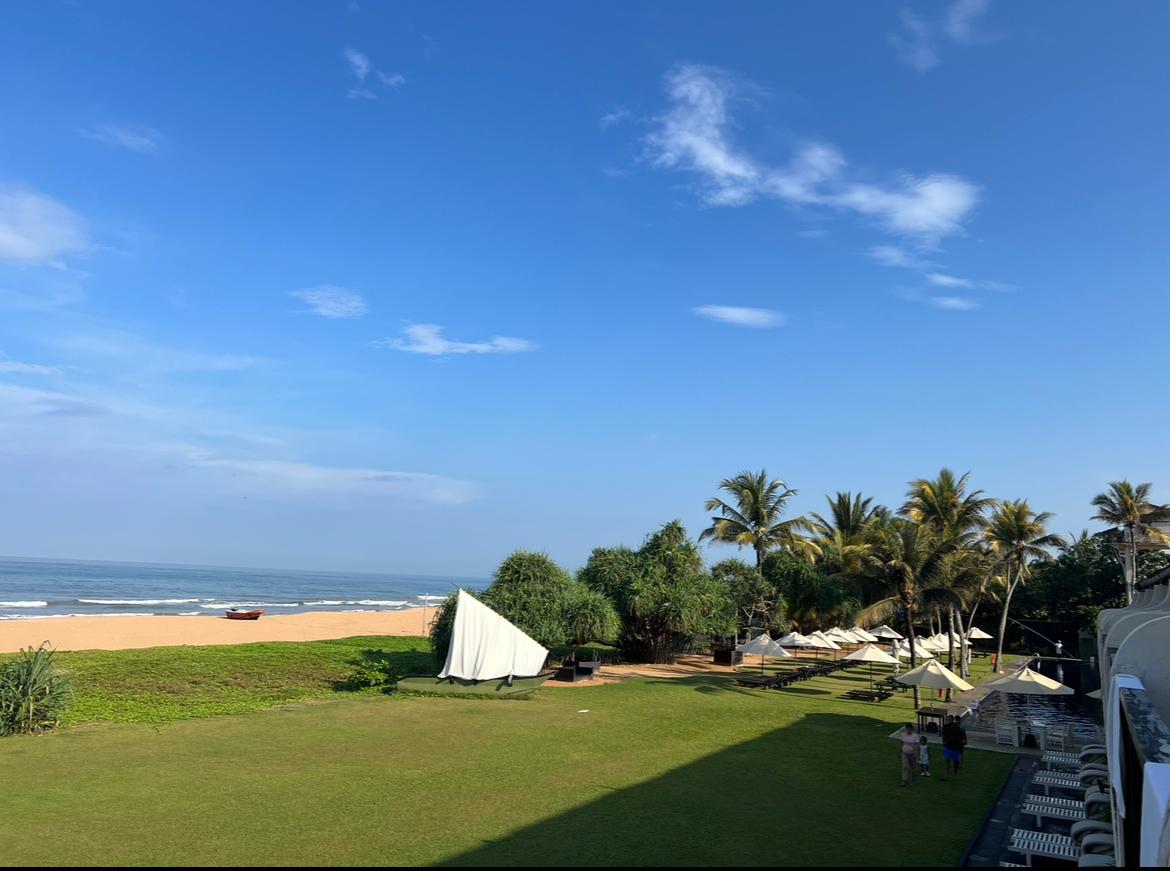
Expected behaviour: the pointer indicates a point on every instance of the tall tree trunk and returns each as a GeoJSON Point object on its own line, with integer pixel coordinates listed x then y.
{"type": "Point", "coordinates": [1130, 566]}
{"type": "Point", "coordinates": [908, 608]}
{"type": "Point", "coordinates": [967, 638]}
{"type": "Point", "coordinates": [951, 642]}
{"type": "Point", "coordinates": [1003, 618]}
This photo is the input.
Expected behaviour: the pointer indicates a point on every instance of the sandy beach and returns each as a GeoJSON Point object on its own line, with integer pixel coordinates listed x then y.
{"type": "Point", "coordinates": [123, 633]}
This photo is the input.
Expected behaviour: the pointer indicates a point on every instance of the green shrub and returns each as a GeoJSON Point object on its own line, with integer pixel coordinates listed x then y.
{"type": "Point", "coordinates": [33, 692]}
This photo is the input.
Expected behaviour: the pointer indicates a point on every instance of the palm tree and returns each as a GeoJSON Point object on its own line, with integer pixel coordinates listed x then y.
{"type": "Point", "coordinates": [841, 539]}
{"type": "Point", "coordinates": [754, 521]}
{"type": "Point", "coordinates": [945, 505]}
{"type": "Point", "coordinates": [849, 513]}
{"type": "Point", "coordinates": [1124, 505]}
{"type": "Point", "coordinates": [1017, 537]}
{"type": "Point", "coordinates": [906, 560]}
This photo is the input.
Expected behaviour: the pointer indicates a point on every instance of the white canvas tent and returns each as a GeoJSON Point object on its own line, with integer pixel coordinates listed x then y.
{"type": "Point", "coordinates": [485, 646]}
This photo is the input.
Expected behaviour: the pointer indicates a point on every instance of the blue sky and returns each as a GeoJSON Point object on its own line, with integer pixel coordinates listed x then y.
{"type": "Point", "coordinates": [404, 287]}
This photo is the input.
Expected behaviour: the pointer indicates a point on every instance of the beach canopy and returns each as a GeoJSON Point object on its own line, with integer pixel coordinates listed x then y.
{"type": "Point", "coordinates": [775, 650]}
{"type": "Point", "coordinates": [758, 646]}
{"type": "Point", "coordinates": [933, 675]}
{"type": "Point", "coordinates": [840, 636]}
{"type": "Point", "coordinates": [862, 634]}
{"type": "Point", "coordinates": [871, 653]}
{"type": "Point", "coordinates": [886, 632]}
{"type": "Point", "coordinates": [1031, 683]}
{"type": "Point", "coordinates": [903, 648]}
{"type": "Point", "coordinates": [977, 634]}
{"type": "Point", "coordinates": [934, 643]}
{"type": "Point", "coordinates": [794, 639]}
{"type": "Point", "coordinates": [485, 646]}
{"type": "Point", "coordinates": [819, 639]}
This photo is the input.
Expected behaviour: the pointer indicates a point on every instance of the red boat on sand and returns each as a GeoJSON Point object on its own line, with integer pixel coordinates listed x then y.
{"type": "Point", "coordinates": [238, 614]}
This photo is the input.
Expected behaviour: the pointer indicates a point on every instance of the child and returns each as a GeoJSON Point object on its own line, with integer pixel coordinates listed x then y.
{"type": "Point", "coordinates": [923, 757]}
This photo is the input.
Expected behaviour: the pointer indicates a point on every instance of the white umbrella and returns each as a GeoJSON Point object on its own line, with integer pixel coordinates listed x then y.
{"type": "Point", "coordinates": [919, 650]}
{"type": "Point", "coordinates": [977, 634]}
{"type": "Point", "coordinates": [934, 644]}
{"type": "Point", "coordinates": [758, 646]}
{"type": "Point", "coordinates": [886, 632]}
{"type": "Point", "coordinates": [822, 641]}
{"type": "Point", "coordinates": [933, 675]}
{"type": "Point", "coordinates": [862, 634]}
{"type": "Point", "coordinates": [1029, 683]}
{"type": "Point", "coordinates": [776, 651]}
{"type": "Point", "coordinates": [840, 636]}
{"type": "Point", "coordinates": [794, 639]}
{"type": "Point", "coordinates": [871, 654]}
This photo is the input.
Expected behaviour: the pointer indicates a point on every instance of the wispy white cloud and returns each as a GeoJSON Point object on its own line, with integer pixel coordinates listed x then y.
{"type": "Point", "coordinates": [961, 19]}
{"type": "Point", "coordinates": [360, 67]}
{"type": "Point", "coordinates": [757, 318]}
{"type": "Point", "coordinates": [14, 367]}
{"type": "Point", "coordinates": [428, 339]}
{"type": "Point", "coordinates": [940, 280]}
{"type": "Point", "coordinates": [694, 135]}
{"type": "Point", "coordinates": [953, 303]}
{"type": "Point", "coordinates": [915, 43]}
{"type": "Point", "coordinates": [37, 230]}
{"type": "Point", "coordinates": [919, 41]}
{"type": "Point", "coordinates": [143, 140]}
{"type": "Point", "coordinates": [102, 346]}
{"type": "Point", "coordinates": [617, 116]}
{"type": "Point", "coordinates": [889, 255]}
{"type": "Point", "coordinates": [288, 478]}
{"type": "Point", "coordinates": [330, 301]}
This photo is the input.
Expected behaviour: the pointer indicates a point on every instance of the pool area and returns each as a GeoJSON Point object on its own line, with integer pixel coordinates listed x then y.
{"type": "Point", "coordinates": [1053, 711]}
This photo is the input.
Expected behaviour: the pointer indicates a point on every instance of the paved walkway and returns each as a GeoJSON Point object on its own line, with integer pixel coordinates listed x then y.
{"type": "Point", "coordinates": [987, 848]}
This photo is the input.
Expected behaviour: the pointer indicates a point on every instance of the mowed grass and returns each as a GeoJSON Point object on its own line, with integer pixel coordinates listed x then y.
{"type": "Point", "coordinates": [657, 772]}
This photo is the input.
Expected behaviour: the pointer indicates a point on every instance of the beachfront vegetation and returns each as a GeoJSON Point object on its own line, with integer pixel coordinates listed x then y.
{"type": "Point", "coordinates": [657, 772]}
{"type": "Point", "coordinates": [542, 599]}
{"type": "Point", "coordinates": [34, 693]}
{"type": "Point", "coordinates": [1129, 509]}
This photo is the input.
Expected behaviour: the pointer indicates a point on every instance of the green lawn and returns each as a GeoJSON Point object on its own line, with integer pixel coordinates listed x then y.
{"type": "Point", "coordinates": [686, 772]}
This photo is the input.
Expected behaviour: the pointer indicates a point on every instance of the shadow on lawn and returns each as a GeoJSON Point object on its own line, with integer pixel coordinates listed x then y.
{"type": "Point", "coordinates": [820, 791]}
{"type": "Point", "coordinates": [379, 669]}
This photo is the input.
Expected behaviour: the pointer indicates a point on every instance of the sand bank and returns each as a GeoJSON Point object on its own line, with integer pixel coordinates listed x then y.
{"type": "Point", "coordinates": [123, 633]}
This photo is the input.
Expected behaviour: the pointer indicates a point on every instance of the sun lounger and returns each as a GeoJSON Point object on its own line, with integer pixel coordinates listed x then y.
{"type": "Point", "coordinates": [867, 695]}
{"type": "Point", "coordinates": [1049, 779]}
{"type": "Point", "coordinates": [1052, 812]}
{"type": "Point", "coordinates": [1045, 844]}
{"type": "Point", "coordinates": [1054, 759]}
{"type": "Point", "coordinates": [761, 683]}
{"type": "Point", "coordinates": [1075, 804]}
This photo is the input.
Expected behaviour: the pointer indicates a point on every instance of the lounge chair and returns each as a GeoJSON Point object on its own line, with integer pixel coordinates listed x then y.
{"type": "Point", "coordinates": [1046, 844]}
{"type": "Point", "coordinates": [1059, 779]}
{"type": "Point", "coordinates": [1052, 812]}
{"type": "Point", "coordinates": [1053, 759]}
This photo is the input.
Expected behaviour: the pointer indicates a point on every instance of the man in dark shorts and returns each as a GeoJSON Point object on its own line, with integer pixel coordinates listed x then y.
{"type": "Point", "coordinates": [953, 741]}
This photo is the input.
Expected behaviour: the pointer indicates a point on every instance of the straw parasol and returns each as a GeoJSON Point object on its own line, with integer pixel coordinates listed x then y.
{"type": "Point", "coordinates": [871, 653]}
{"type": "Point", "coordinates": [933, 675]}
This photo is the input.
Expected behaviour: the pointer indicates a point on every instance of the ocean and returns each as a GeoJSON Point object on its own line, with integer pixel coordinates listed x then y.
{"type": "Point", "coordinates": [36, 588]}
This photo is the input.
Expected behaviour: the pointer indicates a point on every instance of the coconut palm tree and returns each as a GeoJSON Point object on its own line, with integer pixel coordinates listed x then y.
{"type": "Point", "coordinates": [1125, 506]}
{"type": "Point", "coordinates": [1017, 538]}
{"type": "Point", "coordinates": [754, 520]}
{"type": "Point", "coordinates": [945, 505]}
{"type": "Point", "coordinates": [906, 560]}
{"type": "Point", "coordinates": [849, 513]}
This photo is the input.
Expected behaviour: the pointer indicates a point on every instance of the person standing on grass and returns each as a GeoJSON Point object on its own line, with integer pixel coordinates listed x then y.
{"type": "Point", "coordinates": [954, 739]}
{"type": "Point", "coordinates": [908, 751]}
{"type": "Point", "coordinates": [923, 757]}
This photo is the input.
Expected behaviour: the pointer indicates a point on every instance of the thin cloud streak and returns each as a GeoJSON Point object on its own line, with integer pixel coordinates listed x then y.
{"type": "Point", "coordinates": [755, 318]}
{"type": "Point", "coordinates": [427, 339]}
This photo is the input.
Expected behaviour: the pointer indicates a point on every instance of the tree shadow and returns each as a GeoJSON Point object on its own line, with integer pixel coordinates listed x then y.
{"type": "Point", "coordinates": [379, 669]}
{"type": "Point", "coordinates": [821, 791]}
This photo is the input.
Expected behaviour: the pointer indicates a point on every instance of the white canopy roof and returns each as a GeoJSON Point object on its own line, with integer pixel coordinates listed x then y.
{"type": "Point", "coordinates": [919, 650]}
{"type": "Point", "coordinates": [977, 634]}
{"type": "Point", "coordinates": [485, 646]}
{"type": "Point", "coordinates": [932, 674]}
{"type": "Point", "coordinates": [862, 634]}
{"type": "Point", "coordinates": [775, 650]}
{"type": "Point", "coordinates": [794, 639]}
{"type": "Point", "coordinates": [933, 644]}
{"type": "Point", "coordinates": [1030, 683]}
{"type": "Point", "coordinates": [885, 631]}
{"type": "Point", "coordinates": [871, 653]}
{"type": "Point", "coordinates": [819, 639]}
{"type": "Point", "coordinates": [839, 635]}
{"type": "Point", "coordinates": [757, 646]}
